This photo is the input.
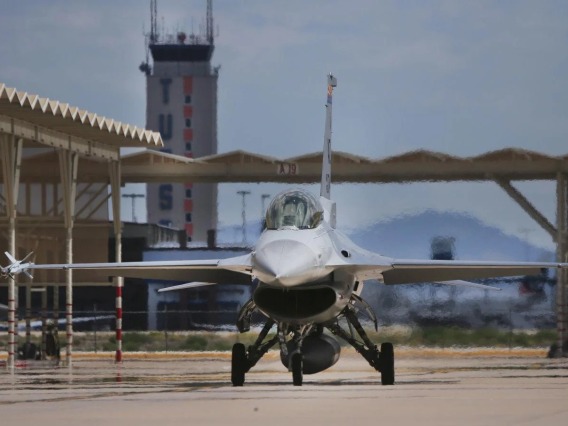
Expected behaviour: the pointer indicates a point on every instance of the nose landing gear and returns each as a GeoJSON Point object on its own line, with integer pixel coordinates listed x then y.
{"type": "Point", "coordinates": [297, 367]}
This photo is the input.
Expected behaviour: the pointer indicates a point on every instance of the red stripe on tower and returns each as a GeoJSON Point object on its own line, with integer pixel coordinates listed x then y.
{"type": "Point", "coordinates": [188, 139]}
{"type": "Point", "coordinates": [188, 85]}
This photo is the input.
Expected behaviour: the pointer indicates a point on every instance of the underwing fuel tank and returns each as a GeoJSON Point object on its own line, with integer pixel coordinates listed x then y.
{"type": "Point", "coordinates": [320, 353]}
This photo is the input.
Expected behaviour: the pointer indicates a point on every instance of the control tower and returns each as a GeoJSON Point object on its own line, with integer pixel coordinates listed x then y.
{"type": "Point", "coordinates": [181, 103]}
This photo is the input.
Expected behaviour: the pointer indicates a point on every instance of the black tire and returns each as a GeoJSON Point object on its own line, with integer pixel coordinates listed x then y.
{"type": "Point", "coordinates": [297, 367]}
{"type": "Point", "coordinates": [239, 364]}
{"type": "Point", "coordinates": [386, 361]}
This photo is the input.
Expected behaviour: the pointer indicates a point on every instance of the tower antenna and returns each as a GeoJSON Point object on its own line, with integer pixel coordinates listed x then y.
{"type": "Point", "coordinates": [209, 25]}
{"type": "Point", "coordinates": [153, 21]}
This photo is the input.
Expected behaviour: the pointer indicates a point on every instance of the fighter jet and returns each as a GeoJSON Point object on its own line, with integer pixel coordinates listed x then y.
{"type": "Point", "coordinates": [309, 278]}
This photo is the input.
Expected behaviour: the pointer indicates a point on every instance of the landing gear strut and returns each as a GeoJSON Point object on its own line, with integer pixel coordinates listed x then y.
{"type": "Point", "coordinates": [243, 360]}
{"type": "Point", "coordinates": [382, 361]}
{"type": "Point", "coordinates": [294, 347]}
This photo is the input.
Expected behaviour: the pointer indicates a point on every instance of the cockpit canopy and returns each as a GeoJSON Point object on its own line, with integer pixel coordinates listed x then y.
{"type": "Point", "coordinates": [297, 208]}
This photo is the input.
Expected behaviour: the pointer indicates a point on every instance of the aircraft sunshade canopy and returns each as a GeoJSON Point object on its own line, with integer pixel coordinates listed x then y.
{"type": "Point", "coordinates": [296, 208]}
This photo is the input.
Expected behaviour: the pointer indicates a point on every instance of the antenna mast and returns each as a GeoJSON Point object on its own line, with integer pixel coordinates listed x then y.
{"type": "Point", "coordinates": [209, 27]}
{"type": "Point", "coordinates": [153, 21]}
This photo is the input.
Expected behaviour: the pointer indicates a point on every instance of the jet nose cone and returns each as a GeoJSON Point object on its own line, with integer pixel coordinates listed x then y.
{"type": "Point", "coordinates": [286, 263]}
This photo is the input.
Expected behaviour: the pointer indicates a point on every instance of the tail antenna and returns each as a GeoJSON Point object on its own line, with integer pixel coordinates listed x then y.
{"type": "Point", "coordinates": [325, 190]}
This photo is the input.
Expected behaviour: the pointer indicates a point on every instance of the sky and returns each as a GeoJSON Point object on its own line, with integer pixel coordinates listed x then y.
{"type": "Point", "coordinates": [458, 77]}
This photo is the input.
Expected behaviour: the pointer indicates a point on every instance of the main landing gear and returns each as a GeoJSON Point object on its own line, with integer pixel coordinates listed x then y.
{"type": "Point", "coordinates": [381, 360]}
{"type": "Point", "coordinates": [239, 364]}
{"type": "Point", "coordinates": [306, 350]}
{"type": "Point", "coordinates": [243, 360]}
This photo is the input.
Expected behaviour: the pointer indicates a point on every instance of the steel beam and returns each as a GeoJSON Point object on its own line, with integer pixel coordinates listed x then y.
{"type": "Point", "coordinates": [114, 173]}
{"type": "Point", "coordinates": [527, 206]}
{"type": "Point", "coordinates": [11, 153]}
{"type": "Point", "coordinates": [69, 164]}
{"type": "Point", "coordinates": [561, 256]}
{"type": "Point", "coordinates": [43, 322]}
{"type": "Point", "coordinates": [371, 171]}
{"type": "Point", "coordinates": [91, 200]}
{"type": "Point", "coordinates": [52, 138]}
{"type": "Point", "coordinates": [75, 284]}
{"type": "Point", "coordinates": [28, 314]}
{"type": "Point", "coordinates": [379, 171]}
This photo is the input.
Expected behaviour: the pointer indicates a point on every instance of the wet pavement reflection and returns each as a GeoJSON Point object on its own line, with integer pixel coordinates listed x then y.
{"type": "Point", "coordinates": [97, 376]}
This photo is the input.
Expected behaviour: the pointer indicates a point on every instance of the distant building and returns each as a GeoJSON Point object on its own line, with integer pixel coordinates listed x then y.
{"type": "Point", "coordinates": [442, 248]}
{"type": "Point", "coordinates": [181, 103]}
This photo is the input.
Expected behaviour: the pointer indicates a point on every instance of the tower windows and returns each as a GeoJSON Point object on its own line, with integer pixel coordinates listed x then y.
{"type": "Point", "coordinates": [188, 217]}
{"type": "Point", "coordinates": [165, 82]}
{"type": "Point", "coordinates": [188, 122]}
{"type": "Point", "coordinates": [187, 99]}
{"type": "Point", "coordinates": [187, 192]}
{"type": "Point", "coordinates": [165, 126]}
{"type": "Point", "coordinates": [166, 197]}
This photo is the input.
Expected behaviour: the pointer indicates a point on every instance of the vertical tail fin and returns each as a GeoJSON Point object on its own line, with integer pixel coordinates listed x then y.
{"type": "Point", "coordinates": [326, 161]}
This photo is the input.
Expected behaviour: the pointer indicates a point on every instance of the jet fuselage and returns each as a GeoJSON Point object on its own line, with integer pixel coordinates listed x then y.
{"type": "Point", "coordinates": [296, 284]}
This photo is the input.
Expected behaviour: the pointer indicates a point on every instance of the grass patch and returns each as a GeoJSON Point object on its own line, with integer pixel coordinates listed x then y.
{"type": "Point", "coordinates": [444, 337]}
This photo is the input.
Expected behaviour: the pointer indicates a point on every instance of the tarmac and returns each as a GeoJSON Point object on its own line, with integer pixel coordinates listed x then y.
{"type": "Point", "coordinates": [441, 387]}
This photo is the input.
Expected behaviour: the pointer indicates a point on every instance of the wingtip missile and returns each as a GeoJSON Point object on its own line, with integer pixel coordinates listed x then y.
{"type": "Point", "coordinates": [17, 266]}
{"type": "Point", "coordinates": [11, 258]}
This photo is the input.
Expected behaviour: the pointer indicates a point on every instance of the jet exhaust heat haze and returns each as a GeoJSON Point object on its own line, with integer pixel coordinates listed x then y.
{"type": "Point", "coordinates": [309, 279]}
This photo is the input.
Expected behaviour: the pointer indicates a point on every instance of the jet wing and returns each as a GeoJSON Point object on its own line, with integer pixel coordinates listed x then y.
{"type": "Point", "coordinates": [234, 270]}
{"type": "Point", "coordinates": [410, 271]}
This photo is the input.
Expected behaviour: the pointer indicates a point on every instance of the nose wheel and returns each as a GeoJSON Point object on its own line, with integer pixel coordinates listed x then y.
{"type": "Point", "coordinates": [297, 366]}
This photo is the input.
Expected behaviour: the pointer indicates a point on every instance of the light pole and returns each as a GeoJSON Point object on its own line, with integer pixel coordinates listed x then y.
{"type": "Point", "coordinates": [244, 206]}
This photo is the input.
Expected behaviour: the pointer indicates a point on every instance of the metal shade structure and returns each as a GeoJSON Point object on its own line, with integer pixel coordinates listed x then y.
{"type": "Point", "coordinates": [52, 208]}
{"type": "Point", "coordinates": [68, 134]}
